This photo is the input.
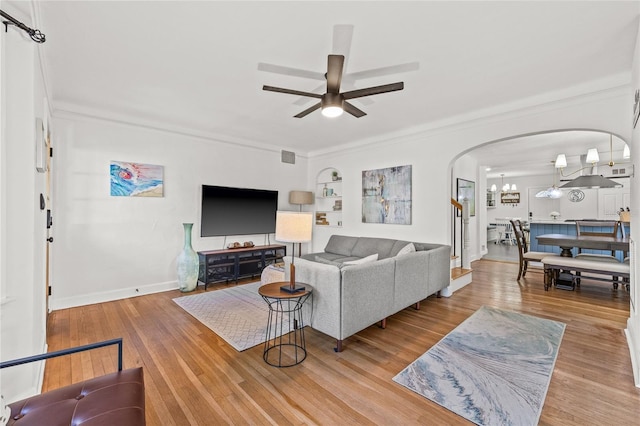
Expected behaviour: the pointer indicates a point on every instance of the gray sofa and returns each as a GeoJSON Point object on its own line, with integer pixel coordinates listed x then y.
{"type": "Point", "coordinates": [349, 298]}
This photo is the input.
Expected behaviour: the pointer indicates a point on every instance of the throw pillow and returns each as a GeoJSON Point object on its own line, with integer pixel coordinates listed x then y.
{"type": "Point", "coordinates": [371, 258]}
{"type": "Point", "coordinates": [409, 248]}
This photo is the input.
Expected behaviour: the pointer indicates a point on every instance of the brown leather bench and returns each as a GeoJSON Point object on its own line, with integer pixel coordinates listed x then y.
{"type": "Point", "coordinates": [112, 399]}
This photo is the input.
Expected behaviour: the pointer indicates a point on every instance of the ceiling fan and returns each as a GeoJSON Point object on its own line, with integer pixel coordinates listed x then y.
{"type": "Point", "coordinates": [333, 103]}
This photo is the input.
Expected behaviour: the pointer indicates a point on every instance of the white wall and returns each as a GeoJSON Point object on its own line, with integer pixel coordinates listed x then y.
{"type": "Point", "coordinates": [433, 151]}
{"type": "Point", "coordinates": [633, 324]}
{"type": "Point", "coordinates": [113, 247]}
{"type": "Point", "coordinates": [22, 223]}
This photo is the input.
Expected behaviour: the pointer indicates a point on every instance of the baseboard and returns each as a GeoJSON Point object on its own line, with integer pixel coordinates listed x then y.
{"type": "Point", "coordinates": [456, 285]}
{"type": "Point", "coordinates": [108, 296]}
{"type": "Point", "coordinates": [634, 350]}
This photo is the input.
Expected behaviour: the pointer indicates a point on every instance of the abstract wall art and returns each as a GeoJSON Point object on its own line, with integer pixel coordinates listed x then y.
{"type": "Point", "coordinates": [386, 195]}
{"type": "Point", "coordinates": [136, 180]}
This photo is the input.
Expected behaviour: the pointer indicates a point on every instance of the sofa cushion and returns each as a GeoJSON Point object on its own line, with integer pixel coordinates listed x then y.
{"type": "Point", "coordinates": [321, 259]}
{"type": "Point", "coordinates": [367, 246]}
{"type": "Point", "coordinates": [342, 245]}
{"type": "Point", "coordinates": [368, 259]}
{"type": "Point", "coordinates": [409, 248]}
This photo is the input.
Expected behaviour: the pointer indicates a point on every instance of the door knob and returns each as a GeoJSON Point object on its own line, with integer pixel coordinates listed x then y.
{"type": "Point", "coordinates": [50, 239]}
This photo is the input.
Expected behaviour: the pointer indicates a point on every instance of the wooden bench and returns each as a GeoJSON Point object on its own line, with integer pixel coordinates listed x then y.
{"type": "Point", "coordinates": [613, 272]}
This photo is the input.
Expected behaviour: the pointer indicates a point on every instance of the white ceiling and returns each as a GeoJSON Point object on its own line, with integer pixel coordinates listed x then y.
{"type": "Point", "coordinates": [193, 66]}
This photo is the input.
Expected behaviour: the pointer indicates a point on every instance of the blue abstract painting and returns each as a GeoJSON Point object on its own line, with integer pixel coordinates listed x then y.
{"type": "Point", "coordinates": [386, 195]}
{"type": "Point", "coordinates": [136, 180]}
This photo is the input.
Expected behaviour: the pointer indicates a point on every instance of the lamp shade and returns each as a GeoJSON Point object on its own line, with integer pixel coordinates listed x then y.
{"type": "Point", "coordinates": [300, 197]}
{"type": "Point", "coordinates": [592, 156]}
{"type": "Point", "coordinates": [626, 152]}
{"type": "Point", "coordinates": [293, 227]}
{"type": "Point", "coordinates": [561, 161]}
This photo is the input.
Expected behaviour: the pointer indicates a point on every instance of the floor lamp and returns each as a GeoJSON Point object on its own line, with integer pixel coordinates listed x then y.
{"type": "Point", "coordinates": [293, 227]}
{"type": "Point", "coordinates": [300, 198]}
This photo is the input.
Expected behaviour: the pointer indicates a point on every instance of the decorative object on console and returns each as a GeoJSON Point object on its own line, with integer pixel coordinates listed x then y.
{"type": "Point", "coordinates": [554, 215]}
{"type": "Point", "coordinates": [293, 227]}
{"type": "Point", "coordinates": [136, 180]}
{"type": "Point", "coordinates": [386, 195]}
{"type": "Point", "coordinates": [187, 263]}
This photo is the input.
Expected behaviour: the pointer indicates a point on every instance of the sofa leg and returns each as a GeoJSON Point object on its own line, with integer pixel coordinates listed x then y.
{"type": "Point", "coordinates": [417, 306]}
{"type": "Point", "coordinates": [383, 323]}
{"type": "Point", "coordinates": [338, 347]}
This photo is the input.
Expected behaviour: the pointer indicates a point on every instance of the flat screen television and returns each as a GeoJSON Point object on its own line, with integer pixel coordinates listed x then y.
{"type": "Point", "coordinates": [237, 211]}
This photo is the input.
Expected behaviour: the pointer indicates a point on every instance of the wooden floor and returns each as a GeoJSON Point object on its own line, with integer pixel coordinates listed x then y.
{"type": "Point", "coordinates": [193, 377]}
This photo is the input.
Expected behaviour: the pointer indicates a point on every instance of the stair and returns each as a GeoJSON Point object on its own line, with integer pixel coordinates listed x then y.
{"type": "Point", "coordinates": [460, 277]}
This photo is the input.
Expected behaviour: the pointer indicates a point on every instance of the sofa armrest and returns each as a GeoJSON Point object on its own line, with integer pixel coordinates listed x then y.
{"type": "Point", "coordinates": [439, 268]}
{"type": "Point", "coordinates": [324, 311]}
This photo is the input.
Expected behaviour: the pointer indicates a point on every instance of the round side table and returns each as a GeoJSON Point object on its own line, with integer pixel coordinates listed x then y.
{"type": "Point", "coordinates": [285, 344]}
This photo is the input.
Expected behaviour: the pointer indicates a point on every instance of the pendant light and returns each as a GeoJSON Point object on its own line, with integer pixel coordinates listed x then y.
{"type": "Point", "coordinates": [591, 180]}
{"type": "Point", "coordinates": [553, 191]}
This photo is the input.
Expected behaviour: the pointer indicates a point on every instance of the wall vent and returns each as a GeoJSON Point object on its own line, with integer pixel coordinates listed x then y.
{"type": "Point", "coordinates": [288, 157]}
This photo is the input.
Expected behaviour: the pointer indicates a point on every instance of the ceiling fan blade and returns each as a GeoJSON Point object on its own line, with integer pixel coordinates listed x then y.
{"type": "Point", "coordinates": [308, 111]}
{"type": "Point", "coordinates": [377, 72]}
{"type": "Point", "coordinates": [291, 92]}
{"type": "Point", "coordinates": [304, 101]}
{"type": "Point", "coordinates": [353, 110]}
{"type": "Point", "coordinates": [375, 90]}
{"type": "Point", "coordinates": [342, 36]}
{"type": "Point", "coordinates": [294, 72]}
{"type": "Point", "coordinates": [334, 73]}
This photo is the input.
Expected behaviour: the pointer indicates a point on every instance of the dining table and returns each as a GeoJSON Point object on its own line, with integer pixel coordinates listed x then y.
{"type": "Point", "coordinates": [595, 242]}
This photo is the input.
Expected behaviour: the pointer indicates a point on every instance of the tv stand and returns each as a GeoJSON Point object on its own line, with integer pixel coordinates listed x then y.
{"type": "Point", "coordinates": [233, 264]}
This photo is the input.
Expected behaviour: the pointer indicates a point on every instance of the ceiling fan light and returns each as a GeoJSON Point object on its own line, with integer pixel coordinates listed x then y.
{"type": "Point", "coordinates": [561, 161]}
{"type": "Point", "coordinates": [626, 153]}
{"type": "Point", "coordinates": [592, 156]}
{"type": "Point", "coordinates": [332, 104]}
{"type": "Point", "coordinates": [332, 111]}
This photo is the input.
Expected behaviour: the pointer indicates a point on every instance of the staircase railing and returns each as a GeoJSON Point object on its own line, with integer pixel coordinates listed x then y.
{"type": "Point", "coordinates": [456, 208]}
{"type": "Point", "coordinates": [460, 241]}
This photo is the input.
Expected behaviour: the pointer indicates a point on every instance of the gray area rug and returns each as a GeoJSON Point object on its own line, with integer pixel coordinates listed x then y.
{"type": "Point", "coordinates": [493, 369]}
{"type": "Point", "coordinates": [237, 314]}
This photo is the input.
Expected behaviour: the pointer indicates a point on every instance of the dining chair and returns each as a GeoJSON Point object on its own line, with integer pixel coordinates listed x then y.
{"type": "Point", "coordinates": [525, 256]}
{"type": "Point", "coordinates": [606, 228]}
{"type": "Point", "coordinates": [505, 231]}
{"type": "Point", "coordinates": [595, 228]}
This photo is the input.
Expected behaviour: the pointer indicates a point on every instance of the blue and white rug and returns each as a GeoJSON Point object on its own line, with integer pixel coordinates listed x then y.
{"type": "Point", "coordinates": [493, 369]}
